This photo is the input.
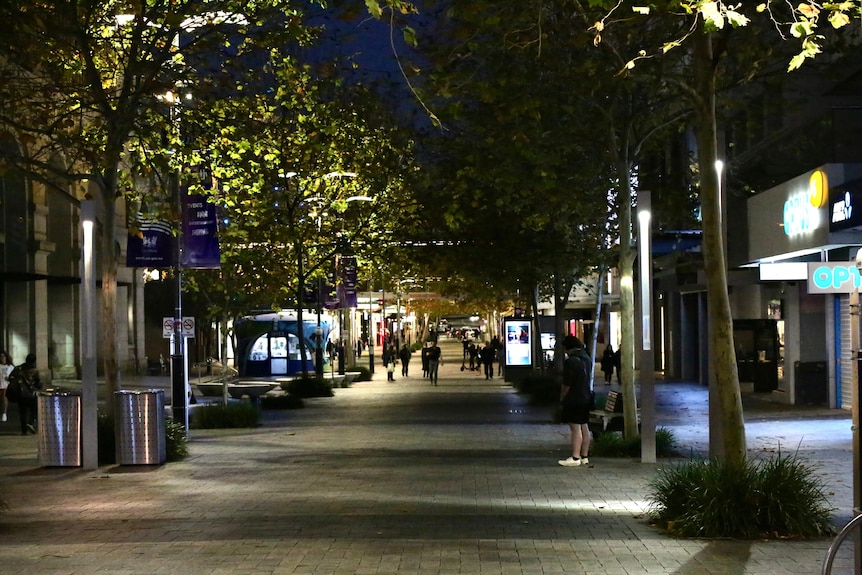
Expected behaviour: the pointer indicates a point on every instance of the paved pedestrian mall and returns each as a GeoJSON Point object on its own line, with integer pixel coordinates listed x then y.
{"type": "Point", "coordinates": [396, 478]}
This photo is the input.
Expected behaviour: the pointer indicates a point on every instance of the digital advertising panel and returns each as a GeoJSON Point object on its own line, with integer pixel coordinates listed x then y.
{"type": "Point", "coordinates": [518, 342]}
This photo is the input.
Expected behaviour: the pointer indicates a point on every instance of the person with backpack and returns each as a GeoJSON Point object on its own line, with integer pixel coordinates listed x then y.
{"type": "Point", "coordinates": [576, 399]}
{"type": "Point", "coordinates": [24, 382]}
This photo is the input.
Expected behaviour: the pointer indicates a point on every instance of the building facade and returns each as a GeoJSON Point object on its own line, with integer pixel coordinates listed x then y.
{"type": "Point", "coordinates": [40, 267]}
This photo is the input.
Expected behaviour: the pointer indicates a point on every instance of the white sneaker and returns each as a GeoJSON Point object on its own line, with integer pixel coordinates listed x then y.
{"type": "Point", "coordinates": [3, 418]}
{"type": "Point", "coordinates": [585, 460]}
{"type": "Point", "coordinates": [570, 462]}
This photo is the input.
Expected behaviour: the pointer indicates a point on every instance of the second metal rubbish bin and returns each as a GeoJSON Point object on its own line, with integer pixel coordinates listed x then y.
{"type": "Point", "coordinates": [58, 415]}
{"type": "Point", "coordinates": [140, 427]}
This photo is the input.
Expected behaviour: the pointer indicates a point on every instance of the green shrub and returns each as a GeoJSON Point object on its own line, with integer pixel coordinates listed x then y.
{"type": "Point", "coordinates": [542, 389]}
{"type": "Point", "coordinates": [176, 442]}
{"type": "Point", "coordinates": [613, 444]}
{"type": "Point", "coordinates": [308, 387]}
{"type": "Point", "coordinates": [779, 497]}
{"type": "Point", "coordinates": [221, 416]}
{"type": "Point", "coordinates": [283, 401]}
{"type": "Point", "coordinates": [364, 372]}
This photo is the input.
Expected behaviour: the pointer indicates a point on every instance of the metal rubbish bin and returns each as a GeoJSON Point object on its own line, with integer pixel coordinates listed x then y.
{"type": "Point", "coordinates": [140, 427]}
{"type": "Point", "coordinates": [58, 415]}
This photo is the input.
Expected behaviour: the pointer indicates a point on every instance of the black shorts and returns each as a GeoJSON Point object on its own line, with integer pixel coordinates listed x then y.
{"type": "Point", "coordinates": [578, 414]}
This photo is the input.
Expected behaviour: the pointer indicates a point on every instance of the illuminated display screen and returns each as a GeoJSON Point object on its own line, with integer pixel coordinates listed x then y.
{"type": "Point", "coordinates": [518, 342]}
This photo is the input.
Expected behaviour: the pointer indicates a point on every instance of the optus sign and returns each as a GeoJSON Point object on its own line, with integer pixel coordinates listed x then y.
{"type": "Point", "coordinates": [833, 277]}
{"type": "Point", "coordinates": [802, 209]}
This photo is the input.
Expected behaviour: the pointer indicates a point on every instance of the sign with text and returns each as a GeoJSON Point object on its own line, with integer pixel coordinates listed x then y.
{"type": "Point", "coordinates": [200, 233]}
{"type": "Point", "coordinates": [185, 328]}
{"type": "Point", "coordinates": [833, 277]}
{"type": "Point", "coordinates": [150, 246]}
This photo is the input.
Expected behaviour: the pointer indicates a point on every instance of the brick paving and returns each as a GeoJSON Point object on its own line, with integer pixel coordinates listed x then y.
{"type": "Point", "coordinates": [391, 479]}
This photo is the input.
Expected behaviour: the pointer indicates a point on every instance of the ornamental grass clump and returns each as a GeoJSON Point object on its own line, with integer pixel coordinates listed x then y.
{"type": "Point", "coordinates": [223, 416]}
{"type": "Point", "coordinates": [281, 401]}
{"type": "Point", "coordinates": [775, 498]}
{"type": "Point", "coordinates": [364, 372]}
{"type": "Point", "coordinates": [308, 387]}
{"type": "Point", "coordinates": [613, 444]}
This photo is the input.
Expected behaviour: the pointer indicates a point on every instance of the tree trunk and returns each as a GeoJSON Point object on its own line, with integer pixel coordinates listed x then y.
{"type": "Point", "coordinates": [726, 419]}
{"type": "Point", "coordinates": [627, 303]}
{"type": "Point", "coordinates": [536, 340]}
{"type": "Point", "coordinates": [300, 300]}
{"type": "Point", "coordinates": [561, 295]}
{"type": "Point", "coordinates": [109, 287]}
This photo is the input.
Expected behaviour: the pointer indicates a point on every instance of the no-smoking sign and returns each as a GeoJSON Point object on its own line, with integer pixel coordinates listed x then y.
{"type": "Point", "coordinates": [185, 328]}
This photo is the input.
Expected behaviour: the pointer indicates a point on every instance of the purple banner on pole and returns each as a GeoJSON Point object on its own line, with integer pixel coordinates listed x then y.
{"type": "Point", "coordinates": [200, 234]}
{"type": "Point", "coordinates": [152, 247]}
{"type": "Point", "coordinates": [347, 283]}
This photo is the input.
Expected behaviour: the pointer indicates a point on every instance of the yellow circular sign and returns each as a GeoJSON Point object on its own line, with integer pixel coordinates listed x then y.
{"type": "Point", "coordinates": [818, 188]}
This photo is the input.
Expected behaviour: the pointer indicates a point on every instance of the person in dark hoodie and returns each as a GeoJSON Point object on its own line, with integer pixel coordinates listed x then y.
{"type": "Point", "coordinates": [29, 384]}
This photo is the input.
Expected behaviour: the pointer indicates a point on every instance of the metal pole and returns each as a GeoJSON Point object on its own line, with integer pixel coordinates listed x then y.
{"type": "Point", "coordinates": [179, 376]}
{"type": "Point", "coordinates": [318, 353]}
{"type": "Point", "coordinates": [647, 370]}
{"type": "Point", "coordinates": [856, 419]}
{"type": "Point", "coordinates": [370, 330]}
{"type": "Point", "coordinates": [89, 388]}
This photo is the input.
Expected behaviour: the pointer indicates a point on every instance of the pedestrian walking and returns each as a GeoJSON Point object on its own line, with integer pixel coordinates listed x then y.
{"type": "Point", "coordinates": [487, 355]}
{"type": "Point", "coordinates": [389, 356]}
{"type": "Point", "coordinates": [434, 362]}
{"type": "Point", "coordinates": [24, 379]}
{"type": "Point", "coordinates": [608, 362]}
{"type": "Point", "coordinates": [404, 355]}
{"type": "Point", "coordinates": [473, 353]}
{"type": "Point", "coordinates": [576, 399]}
{"type": "Point", "coordinates": [499, 350]}
{"type": "Point", "coordinates": [6, 367]}
{"type": "Point", "coordinates": [424, 357]}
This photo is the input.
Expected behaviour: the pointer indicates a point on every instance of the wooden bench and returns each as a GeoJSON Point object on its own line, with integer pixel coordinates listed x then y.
{"type": "Point", "coordinates": [611, 417]}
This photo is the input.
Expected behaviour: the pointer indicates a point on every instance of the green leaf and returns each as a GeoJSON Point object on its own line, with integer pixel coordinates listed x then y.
{"type": "Point", "coordinates": [374, 8]}
{"type": "Point", "coordinates": [410, 36]}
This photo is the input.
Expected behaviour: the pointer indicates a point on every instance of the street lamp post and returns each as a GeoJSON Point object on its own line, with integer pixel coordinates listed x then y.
{"type": "Point", "coordinates": [647, 370]}
{"type": "Point", "coordinates": [370, 330]}
{"type": "Point", "coordinates": [318, 335]}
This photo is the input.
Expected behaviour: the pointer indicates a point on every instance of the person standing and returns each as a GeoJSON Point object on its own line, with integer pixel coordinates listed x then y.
{"type": "Point", "coordinates": [433, 362]}
{"type": "Point", "coordinates": [608, 363]}
{"type": "Point", "coordinates": [389, 356]}
{"type": "Point", "coordinates": [404, 355]}
{"type": "Point", "coordinates": [6, 367]}
{"type": "Point", "coordinates": [576, 399]}
{"type": "Point", "coordinates": [424, 356]}
{"type": "Point", "coordinates": [487, 355]}
{"type": "Point", "coordinates": [30, 383]}
{"type": "Point", "coordinates": [498, 348]}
